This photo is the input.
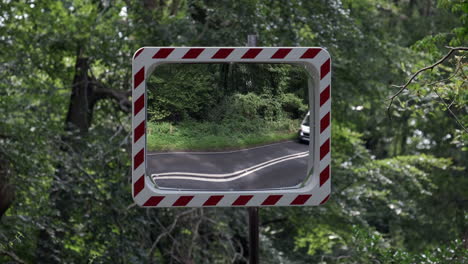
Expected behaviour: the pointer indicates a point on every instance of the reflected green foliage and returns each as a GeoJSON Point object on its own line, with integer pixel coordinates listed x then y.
{"type": "Point", "coordinates": [224, 106]}
{"type": "Point", "coordinates": [399, 174]}
{"type": "Point", "coordinates": [227, 134]}
{"type": "Point", "coordinates": [219, 91]}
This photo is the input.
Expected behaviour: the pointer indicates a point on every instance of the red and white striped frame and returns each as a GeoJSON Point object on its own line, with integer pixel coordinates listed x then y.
{"type": "Point", "coordinates": [316, 189]}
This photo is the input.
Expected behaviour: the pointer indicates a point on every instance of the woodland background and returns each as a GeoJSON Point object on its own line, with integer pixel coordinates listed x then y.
{"type": "Point", "coordinates": [224, 106]}
{"type": "Point", "coordinates": [399, 171]}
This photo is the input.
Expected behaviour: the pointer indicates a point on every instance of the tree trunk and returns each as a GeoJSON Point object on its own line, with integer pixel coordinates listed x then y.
{"type": "Point", "coordinates": [175, 7]}
{"type": "Point", "coordinates": [77, 122]}
{"type": "Point", "coordinates": [6, 190]}
{"type": "Point", "coordinates": [80, 108]}
{"type": "Point", "coordinates": [86, 92]}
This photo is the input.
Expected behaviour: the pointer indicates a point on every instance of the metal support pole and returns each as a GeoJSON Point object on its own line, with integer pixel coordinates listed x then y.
{"type": "Point", "coordinates": [253, 235]}
{"type": "Point", "coordinates": [252, 40]}
{"type": "Point", "coordinates": [253, 211]}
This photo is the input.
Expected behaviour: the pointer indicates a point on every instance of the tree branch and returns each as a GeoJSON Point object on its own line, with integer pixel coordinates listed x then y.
{"type": "Point", "coordinates": [168, 230]}
{"type": "Point", "coordinates": [121, 97]}
{"type": "Point", "coordinates": [12, 256]}
{"type": "Point", "coordinates": [405, 86]}
{"type": "Point", "coordinates": [450, 111]}
{"type": "Point", "coordinates": [273, 221]}
{"type": "Point", "coordinates": [195, 233]}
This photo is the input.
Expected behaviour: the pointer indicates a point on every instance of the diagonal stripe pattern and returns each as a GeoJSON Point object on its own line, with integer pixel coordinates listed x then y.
{"type": "Point", "coordinates": [143, 60]}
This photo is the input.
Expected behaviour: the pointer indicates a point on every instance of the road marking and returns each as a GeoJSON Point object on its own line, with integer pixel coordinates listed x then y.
{"type": "Point", "coordinates": [216, 177]}
{"type": "Point", "coordinates": [219, 152]}
{"type": "Point", "coordinates": [211, 175]}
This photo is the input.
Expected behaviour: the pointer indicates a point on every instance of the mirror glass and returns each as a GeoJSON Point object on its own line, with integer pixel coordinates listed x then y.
{"type": "Point", "coordinates": [228, 126]}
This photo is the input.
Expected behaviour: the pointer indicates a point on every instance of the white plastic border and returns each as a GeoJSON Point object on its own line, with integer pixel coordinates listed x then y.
{"type": "Point", "coordinates": [317, 188]}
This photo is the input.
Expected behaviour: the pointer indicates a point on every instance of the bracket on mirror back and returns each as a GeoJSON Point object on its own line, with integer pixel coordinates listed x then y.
{"type": "Point", "coordinates": [316, 188]}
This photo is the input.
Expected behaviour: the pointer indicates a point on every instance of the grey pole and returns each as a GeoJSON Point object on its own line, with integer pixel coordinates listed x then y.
{"type": "Point", "coordinates": [253, 235]}
{"type": "Point", "coordinates": [252, 40]}
{"type": "Point", "coordinates": [253, 211]}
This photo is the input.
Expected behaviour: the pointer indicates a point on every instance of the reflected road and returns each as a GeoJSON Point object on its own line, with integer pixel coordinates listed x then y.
{"type": "Point", "coordinates": [278, 165]}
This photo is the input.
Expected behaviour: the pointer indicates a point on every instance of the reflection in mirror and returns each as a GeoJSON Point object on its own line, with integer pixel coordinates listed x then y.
{"type": "Point", "coordinates": [228, 126]}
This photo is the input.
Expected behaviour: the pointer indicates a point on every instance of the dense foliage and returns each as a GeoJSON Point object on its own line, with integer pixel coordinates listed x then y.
{"type": "Point", "coordinates": [221, 106]}
{"type": "Point", "coordinates": [399, 171]}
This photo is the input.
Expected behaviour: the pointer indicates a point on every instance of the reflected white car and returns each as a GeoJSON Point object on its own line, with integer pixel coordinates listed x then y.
{"type": "Point", "coordinates": [304, 133]}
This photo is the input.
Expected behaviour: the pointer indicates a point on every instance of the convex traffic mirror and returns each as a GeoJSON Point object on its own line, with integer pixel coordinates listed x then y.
{"type": "Point", "coordinates": [231, 126]}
